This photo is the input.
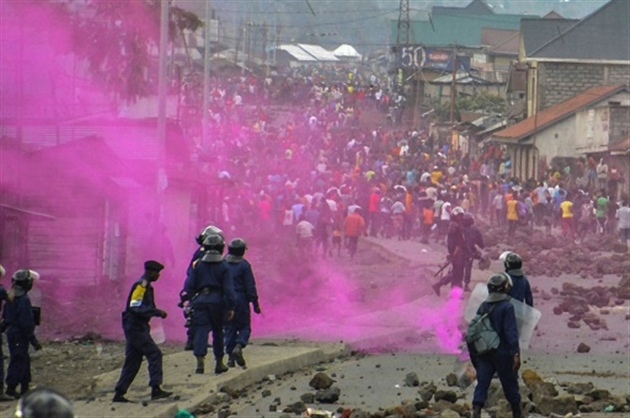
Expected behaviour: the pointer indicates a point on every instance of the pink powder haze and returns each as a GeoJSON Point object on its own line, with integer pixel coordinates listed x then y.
{"type": "Point", "coordinates": [86, 202]}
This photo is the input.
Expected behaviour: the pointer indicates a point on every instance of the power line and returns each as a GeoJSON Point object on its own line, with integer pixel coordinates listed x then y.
{"type": "Point", "coordinates": [305, 12]}
{"type": "Point", "coordinates": [345, 22]}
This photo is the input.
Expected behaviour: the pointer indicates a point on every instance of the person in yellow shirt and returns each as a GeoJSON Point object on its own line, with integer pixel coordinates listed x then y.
{"type": "Point", "coordinates": [512, 218]}
{"type": "Point", "coordinates": [436, 175]}
{"type": "Point", "coordinates": [566, 209]}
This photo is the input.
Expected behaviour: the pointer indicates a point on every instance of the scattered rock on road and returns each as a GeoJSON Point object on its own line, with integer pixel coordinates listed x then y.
{"type": "Point", "coordinates": [583, 348]}
{"type": "Point", "coordinates": [321, 381]}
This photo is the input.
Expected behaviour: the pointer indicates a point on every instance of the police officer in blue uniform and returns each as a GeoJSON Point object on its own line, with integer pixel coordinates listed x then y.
{"type": "Point", "coordinates": [239, 330]}
{"type": "Point", "coordinates": [212, 292]}
{"type": "Point", "coordinates": [474, 243]}
{"type": "Point", "coordinates": [521, 289]}
{"type": "Point", "coordinates": [457, 252]}
{"type": "Point", "coordinates": [505, 360]}
{"type": "Point", "coordinates": [3, 297]}
{"type": "Point", "coordinates": [19, 321]}
{"type": "Point", "coordinates": [139, 310]}
{"type": "Point", "coordinates": [184, 297]}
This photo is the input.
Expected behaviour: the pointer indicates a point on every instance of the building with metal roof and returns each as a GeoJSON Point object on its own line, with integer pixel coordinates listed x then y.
{"type": "Point", "coordinates": [320, 54]}
{"type": "Point", "coordinates": [456, 29]}
{"type": "Point", "coordinates": [590, 123]}
{"type": "Point", "coordinates": [566, 57]}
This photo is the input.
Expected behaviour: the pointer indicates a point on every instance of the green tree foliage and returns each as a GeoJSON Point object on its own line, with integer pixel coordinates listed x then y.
{"type": "Point", "coordinates": [482, 102]}
{"type": "Point", "coordinates": [119, 41]}
{"type": "Point", "coordinates": [479, 102]}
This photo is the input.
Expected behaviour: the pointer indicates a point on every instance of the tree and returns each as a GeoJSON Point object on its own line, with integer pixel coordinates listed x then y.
{"type": "Point", "coordinates": [119, 41]}
{"type": "Point", "coordinates": [483, 102]}
{"type": "Point", "coordinates": [479, 102]}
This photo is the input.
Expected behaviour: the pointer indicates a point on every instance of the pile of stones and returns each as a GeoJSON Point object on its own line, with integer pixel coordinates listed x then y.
{"type": "Point", "coordinates": [596, 256]}
{"type": "Point", "coordinates": [446, 399]}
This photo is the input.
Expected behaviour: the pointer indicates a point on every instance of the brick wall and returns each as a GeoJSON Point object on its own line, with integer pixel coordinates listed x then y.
{"type": "Point", "coordinates": [560, 81]}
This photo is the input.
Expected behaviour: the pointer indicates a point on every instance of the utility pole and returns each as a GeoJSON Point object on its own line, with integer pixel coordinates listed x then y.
{"type": "Point", "coordinates": [162, 92]}
{"type": "Point", "coordinates": [206, 73]}
{"type": "Point", "coordinates": [264, 48]}
{"type": "Point", "coordinates": [241, 32]}
{"type": "Point", "coordinates": [402, 36]}
{"type": "Point", "coordinates": [454, 97]}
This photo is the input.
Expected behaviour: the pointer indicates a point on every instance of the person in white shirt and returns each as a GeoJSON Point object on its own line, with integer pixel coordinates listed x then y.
{"type": "Point", "coordinates": [623, 222]}
{"type": "Point", "coordinates": [304, 232]}
{"type": "Point", "coordinates": [398, 214]}
{"type": "Point", "coordinates": [445, 219]}
{"type": "Point", "coordinates": [498, 205]}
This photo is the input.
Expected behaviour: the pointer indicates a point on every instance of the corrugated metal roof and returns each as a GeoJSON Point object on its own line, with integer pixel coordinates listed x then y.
{"type": "Point", "coordinates": [345, 50]}
{"type": "Point", "coordinates": [318, 52]}
{"type": "Point", "coordinates": [558, 112]}
{"type": "Point", "coordinates": [451, 29]}
{"type": "Point", "coordinates": [478, 7]}
{"type": "Point", "coordinates": [460, 78]}
{"type": "Point", "coordinates": [536, 32]}
{"type": "Point", "coordinates": [129, 139]}
{"type": "Point", "coordinates": [297, 53]}
{"type": "Point", "coordinates": [603, 35]}
{"type": "Point", "coordinates": [501, 40]}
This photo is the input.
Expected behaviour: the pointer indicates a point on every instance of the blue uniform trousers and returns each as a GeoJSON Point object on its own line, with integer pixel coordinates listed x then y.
{"type": "Point", "coordinates": [239, 329]}
{"type": "Point", "coordinates": [1, 362]}
{"type": "Point", "coordinates": [455, 274]}
{"type": "Point", "coordinates": [501, 363]}
{"type": "Point", "coordinates": [208, 317]}
{"type": "Point", "coordinates": [19, 370]}
{"type": "Point", "coordinates": [140, 344]}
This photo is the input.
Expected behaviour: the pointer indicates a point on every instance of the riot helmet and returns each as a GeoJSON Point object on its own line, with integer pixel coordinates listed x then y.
{"type": "Point", "coordinates": [23, 278]}
{"type": "Point", "coordinates": [513, 264]}
{"type": "Point", "coordinates": [236, 250]}
{"type": "Point", "coordinates": [457, 213]}
{"type": "Point", "coordinates": [237, 247]}
{"type": "Point", "coordinates": [499, 283]}
{"type": "Point", "coordinates": [213, 245]}
{"type": "Point", "coordinates": [469, 219]}
{"type": "Point", "coordinates": [206, 232]}
{"type": "Point", "coordinates": [214, 242]}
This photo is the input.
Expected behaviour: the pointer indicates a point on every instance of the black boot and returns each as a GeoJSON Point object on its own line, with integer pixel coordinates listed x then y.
{"type": "Point", "coordinates": [120, 397]}
{"type": "Point", "coordinates": [476, 412]}
{"type": "Point", "coordinates": [23, 389]}
{"type": "Point", "coordinates": [220, 367]}
{"type": "Point", "coordinates": [158, 393]}
{"type": "Point", "coordinates": [230, 362]}
{"type": "Point", "coordinates": [516, 411]}
{"type": "Point", "coordinates": [200, 366]}
{"type": "Point", "coordinates": [238, 355]}
{"type": "Point", "coordinates": [12, 392]}
{"type": "Point", "coordinates": [4, 397]}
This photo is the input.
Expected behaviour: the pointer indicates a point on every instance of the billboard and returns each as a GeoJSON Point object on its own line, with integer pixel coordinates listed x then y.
{"type": "Point", "coordinates": [422, 57]}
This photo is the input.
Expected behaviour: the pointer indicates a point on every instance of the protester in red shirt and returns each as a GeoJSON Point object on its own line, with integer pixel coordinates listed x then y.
{"type": "Point", "coordinates": [354, 226]}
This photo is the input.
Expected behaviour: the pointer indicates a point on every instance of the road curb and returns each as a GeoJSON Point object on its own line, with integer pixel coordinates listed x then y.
{"type": "Point", "coordinates": [269, 358]}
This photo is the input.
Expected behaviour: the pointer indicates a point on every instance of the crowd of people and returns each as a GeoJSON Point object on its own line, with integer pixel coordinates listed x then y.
{"type": "Point", "coordinates": [303, 170]}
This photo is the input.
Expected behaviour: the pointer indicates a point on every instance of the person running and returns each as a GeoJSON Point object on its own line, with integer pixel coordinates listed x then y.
{"type": "Point", "coordinates": [354, 227]}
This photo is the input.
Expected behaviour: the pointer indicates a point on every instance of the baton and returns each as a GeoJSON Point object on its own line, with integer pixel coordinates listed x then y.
{"type": "Point", "coordinates": [442, 268]}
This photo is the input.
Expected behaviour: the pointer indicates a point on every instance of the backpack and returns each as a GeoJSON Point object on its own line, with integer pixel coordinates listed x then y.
{"type": "Point", "coordinates": [480, 336]}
